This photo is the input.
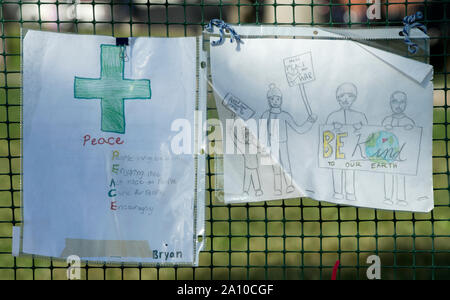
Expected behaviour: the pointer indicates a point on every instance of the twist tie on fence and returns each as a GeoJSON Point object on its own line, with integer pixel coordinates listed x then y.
{"type": "Point", "coordinates": [222, 28]}
{"type": "Point", "coordinates": [409, 23]}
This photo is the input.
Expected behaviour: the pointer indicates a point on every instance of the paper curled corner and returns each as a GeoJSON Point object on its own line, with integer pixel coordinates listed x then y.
{"type": "Point", "coordinates": [106, 248]}
{"type": "Point", "coordinates": [420, 72]}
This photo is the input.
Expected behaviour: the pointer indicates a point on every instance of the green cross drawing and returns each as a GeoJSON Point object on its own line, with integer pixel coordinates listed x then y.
{"type": "Point", "coordinates": [112, 89]}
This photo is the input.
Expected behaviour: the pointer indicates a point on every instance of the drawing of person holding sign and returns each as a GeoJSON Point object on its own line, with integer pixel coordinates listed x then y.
{"type": "Point", "coordinates": [398, 104]}
{"type": "Point", "coordinates": [346, 94]}
{"type": "Point", "coordinates": [246, 143]}
{"type": "Point", "coordinates": [285, 120]}
{"type": "Point", "coordinates": [246, 140]}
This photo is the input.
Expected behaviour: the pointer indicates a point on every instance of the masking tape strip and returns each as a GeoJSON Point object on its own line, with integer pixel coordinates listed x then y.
{"type": "Point", "coordinates": [106, 248]}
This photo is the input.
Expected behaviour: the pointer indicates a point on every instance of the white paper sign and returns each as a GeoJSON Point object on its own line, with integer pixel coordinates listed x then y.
{"type": "Point", "coordinates": [100, 178]}
{"type": "Point", "coordinates": [299, 69]}
{"type": "Point", "coordinates": [354, 127]}
{"type": "Point", "coordinates": [238, 107]}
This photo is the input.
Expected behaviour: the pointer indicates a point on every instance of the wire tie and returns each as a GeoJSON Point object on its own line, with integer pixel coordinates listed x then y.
{"type": "Point", "coordinates": [409, 23]}
{"type": "Point", "coordinates": [223, 27]}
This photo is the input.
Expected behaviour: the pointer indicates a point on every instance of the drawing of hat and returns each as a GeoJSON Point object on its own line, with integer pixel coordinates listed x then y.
{"type": "Point", "coordinates": [274, 91]}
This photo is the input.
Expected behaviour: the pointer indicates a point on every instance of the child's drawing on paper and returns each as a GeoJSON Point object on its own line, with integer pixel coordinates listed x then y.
{"type": "Point", "coordinates": [285, 119]}
{"type": "Point", "coordinates": [367, 149]}
{"type": "Point", "coordinates": [346, 94]}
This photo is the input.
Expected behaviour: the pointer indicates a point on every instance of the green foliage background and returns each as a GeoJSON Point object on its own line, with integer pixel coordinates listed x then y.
{"type": "Point", "coordinates": [291, 239]}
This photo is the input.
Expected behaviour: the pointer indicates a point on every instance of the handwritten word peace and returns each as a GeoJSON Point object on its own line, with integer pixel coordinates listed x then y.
{"type": "Point", "coordinates": [87, 140]}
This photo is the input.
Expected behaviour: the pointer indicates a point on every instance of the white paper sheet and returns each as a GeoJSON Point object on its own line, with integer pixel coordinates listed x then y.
{"type": "Point", "coordinates": [378, 147]}
{"type": "Point", "coordinates": [100, 179]}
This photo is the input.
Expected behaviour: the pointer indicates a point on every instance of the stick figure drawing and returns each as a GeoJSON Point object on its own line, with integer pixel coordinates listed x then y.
{"type": "Point", "coordinates": [346, 94]}
{"type": "Point", "coordinates": [398, 118]}
{"type": "Point", "coordinates": [245, 140]}
{"type": "Point", "coordinates": [275, 101]}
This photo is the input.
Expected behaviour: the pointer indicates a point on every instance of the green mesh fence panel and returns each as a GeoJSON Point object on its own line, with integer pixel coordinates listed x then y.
{"type": "Point", "coordinates": [292, 239]}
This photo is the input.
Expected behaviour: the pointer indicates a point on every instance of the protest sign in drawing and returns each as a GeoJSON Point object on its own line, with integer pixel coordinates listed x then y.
{"type": "Point", "coordinates": [299, 71]}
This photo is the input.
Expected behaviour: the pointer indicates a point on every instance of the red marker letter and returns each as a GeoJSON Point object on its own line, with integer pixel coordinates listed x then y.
{"type": "Point", "coordinates": [113, 205]}
{"type": "Point", "coordinates": [86, 138]}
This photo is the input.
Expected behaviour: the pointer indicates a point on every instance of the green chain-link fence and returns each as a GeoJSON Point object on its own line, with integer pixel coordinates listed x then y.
{"type": "Point", "coordinates": [292, 239]}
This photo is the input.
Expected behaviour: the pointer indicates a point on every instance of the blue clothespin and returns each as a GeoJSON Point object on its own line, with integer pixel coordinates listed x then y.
{"type": "Point", "coordinates": [222, 27]}
{"type": "Point", "coordinates": [409, 23]}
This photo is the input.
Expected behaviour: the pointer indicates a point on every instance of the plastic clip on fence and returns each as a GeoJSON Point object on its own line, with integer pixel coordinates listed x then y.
{"type": "Point", "coordinates": [409, 23]}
